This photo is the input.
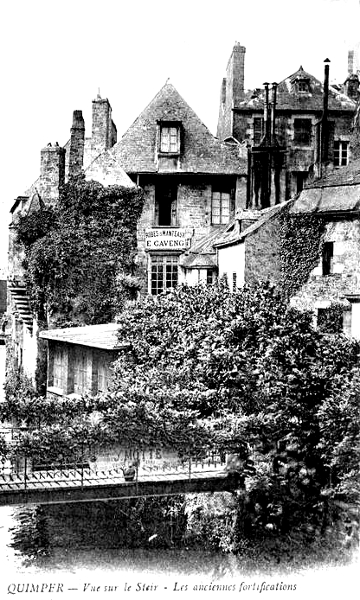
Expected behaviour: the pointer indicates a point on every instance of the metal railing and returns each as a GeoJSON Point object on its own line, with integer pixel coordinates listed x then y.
{"type": "Point", "coordinates": [22, 473]}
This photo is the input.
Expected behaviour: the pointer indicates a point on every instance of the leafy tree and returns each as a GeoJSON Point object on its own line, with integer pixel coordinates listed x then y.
{"type": "Point", "coordinates": [79, 255]}
{"type": "Point", "coordinates": [207, 367]}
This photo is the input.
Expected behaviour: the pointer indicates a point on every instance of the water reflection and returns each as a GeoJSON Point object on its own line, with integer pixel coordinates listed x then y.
{"type": "Point", "coordinates": [105, 535]}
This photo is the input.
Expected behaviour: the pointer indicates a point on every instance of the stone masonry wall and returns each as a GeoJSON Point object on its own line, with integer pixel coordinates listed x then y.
{"type": "Point", "coordinates": [262, 257]}
{"type": "Point", "coordinates": [321, 290]}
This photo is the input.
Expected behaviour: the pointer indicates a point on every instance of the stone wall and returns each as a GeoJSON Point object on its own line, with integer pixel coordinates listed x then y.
{"type": "Point", "coordinates": [262, 253]}
{"type": "Point", "coordinates": [321, 290]}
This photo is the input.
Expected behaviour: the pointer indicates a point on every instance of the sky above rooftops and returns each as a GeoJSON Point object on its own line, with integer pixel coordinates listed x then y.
{"type": "Point", "coordinates": [57, 55]}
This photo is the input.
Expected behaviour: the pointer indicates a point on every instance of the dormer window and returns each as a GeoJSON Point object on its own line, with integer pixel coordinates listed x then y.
{"type": "Point", "coordinates": [170, 138]}
{"type": "Point", "coordinates": [303, 86]}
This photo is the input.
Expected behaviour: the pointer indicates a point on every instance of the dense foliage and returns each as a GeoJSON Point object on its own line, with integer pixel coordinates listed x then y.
{"type": "Point", "coordinates": [79, 255]}
{"type": "Point", "coordinates": [301, 243]}
{"type": "Point", "coordinates": [209, 367]}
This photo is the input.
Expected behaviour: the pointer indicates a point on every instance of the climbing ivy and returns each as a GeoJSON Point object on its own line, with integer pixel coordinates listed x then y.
{"type": "Point", "coordinates": [80, 255]}
{"type": "Point", "coordinates": [301, 242]}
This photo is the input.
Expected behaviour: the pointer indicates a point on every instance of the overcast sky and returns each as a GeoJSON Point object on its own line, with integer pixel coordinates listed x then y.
{"type": "Point", "coordinates": [57, 54]}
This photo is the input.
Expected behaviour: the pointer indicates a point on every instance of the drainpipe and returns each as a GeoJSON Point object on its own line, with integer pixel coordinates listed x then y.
{"type": "Point", "coordinates": [273, 108]}
{"type": "Point", "coordinates": [266, 114]}
{"type": "Point", "coordinates": [324, 124]}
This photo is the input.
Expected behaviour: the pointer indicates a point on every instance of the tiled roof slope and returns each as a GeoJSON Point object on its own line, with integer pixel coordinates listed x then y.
{"type": "Point", "coordinates": [288, 98]}
{"type": "Point", "coordinates": [202, 152]}
{"type": "Point", "coordinates": [96, 336]}
{"type": "Point", "coordinates": [232, 235]}
{"type": "Point", "coordinates": [349, 175]}
{"type": "Point", "coordinates": [327, 199]}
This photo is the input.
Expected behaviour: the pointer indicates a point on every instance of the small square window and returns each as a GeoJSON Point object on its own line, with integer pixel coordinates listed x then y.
{"type": "Point", "coordinates": [303, 86]}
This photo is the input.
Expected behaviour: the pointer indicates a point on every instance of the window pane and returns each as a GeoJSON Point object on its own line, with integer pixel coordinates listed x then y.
{"type": "Point", "coordinates": [164, 145]}
{"type": "Point", "coordinates": [225, 208]}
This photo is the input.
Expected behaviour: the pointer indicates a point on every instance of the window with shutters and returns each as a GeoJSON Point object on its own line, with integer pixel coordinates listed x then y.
{"type": "Point", "coordinates": [164, 273]}
{"type": "Point", "coordinates": [58, 359]}
{"type": "Point", "coordinates": [166, 205]}
{"type": "Point", "coordinates": [80, 371]}
{"type": "Point", "coordinates": [222, 207]}
{"type": "Point", "coordinates": [170, 139]}
{"type": "Point", "coordinates": [340, 153]}
{"type": "Point", "coordinates": [103, 377]}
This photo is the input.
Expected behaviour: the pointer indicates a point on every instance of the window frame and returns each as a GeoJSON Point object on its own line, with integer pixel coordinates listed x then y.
{"type": "Point", "coordinates": [166, 265]}
{"type": "Point", "coordinates": [341, 153]}
{"type": "Point", "coordinates": [166, 134]}
{"type": "Point", "coordinates": [161, 198]}
{"type": "Point", "coordinates": [327, 259]}
{"type": "Point", "coordinates": [225, 214]}
{"type": "Point", "coordinates": [303, 135]}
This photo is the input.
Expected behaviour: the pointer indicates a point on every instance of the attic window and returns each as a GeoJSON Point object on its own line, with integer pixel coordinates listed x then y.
{"type": "Point", "coordinates": [303, 85]}
{"type": "Point", "coordinates": [170, 139]}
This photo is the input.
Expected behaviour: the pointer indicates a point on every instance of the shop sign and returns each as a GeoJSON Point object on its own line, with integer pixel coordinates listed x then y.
{"type": "Point", "coordinates": [168, 239]}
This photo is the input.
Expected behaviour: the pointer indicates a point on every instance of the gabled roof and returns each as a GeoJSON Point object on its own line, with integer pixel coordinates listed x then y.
{"type": "Point", "coordinates": [94, 336]}
{"type": "Point", "coordinates": [289, 98]}
{"type": "Point", "coordinates": [202, 152]}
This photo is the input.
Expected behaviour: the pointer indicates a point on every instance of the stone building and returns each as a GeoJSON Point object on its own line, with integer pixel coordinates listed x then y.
{"type": "Point", "coordinates": [253, 252]}
{"type": "Point", "coordinates": [57, 164]}
{"type": "Point", "coordinates": [193, 184]}
{"type": "Point", "coordinates": [312, 122]}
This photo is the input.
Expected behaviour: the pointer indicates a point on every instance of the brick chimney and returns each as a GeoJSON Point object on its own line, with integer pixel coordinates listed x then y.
{"type": "Point", "coordinates": [52, 173]}
{"type": "Point", "coordinates": [77, 143]}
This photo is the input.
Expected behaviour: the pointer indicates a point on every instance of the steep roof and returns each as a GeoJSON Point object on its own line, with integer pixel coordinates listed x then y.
{"type": "Point", "coordinates": [95, 336]}
{"type": "Point", "coordinates": [202, 152]}
{"type": "Point", "coordinates": [289, 98]}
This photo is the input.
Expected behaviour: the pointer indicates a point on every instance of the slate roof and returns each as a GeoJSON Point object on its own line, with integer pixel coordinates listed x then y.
{"type": "Point", "coordinates": [136, 152]}
{"type": "Point", "coordinates": [232, 235]}
{"type": "Point", "coordinates": [327, 199]}
{"type": "Point", "coordinates": [203, 254]}
{"type": "Point", "coordinates": [289, 98]}
{"type": "Point", "coordinates": [94, 336]}
{"type": "Point", "coordinates": [349, 175]}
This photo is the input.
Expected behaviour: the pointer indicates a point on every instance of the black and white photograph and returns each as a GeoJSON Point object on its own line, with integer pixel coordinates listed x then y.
{"type": "Point", "coordinates": [180, 299]}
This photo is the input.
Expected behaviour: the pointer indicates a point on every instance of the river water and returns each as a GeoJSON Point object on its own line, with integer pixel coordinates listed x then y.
{"type": "Point", "coordinates": [85, 547]}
